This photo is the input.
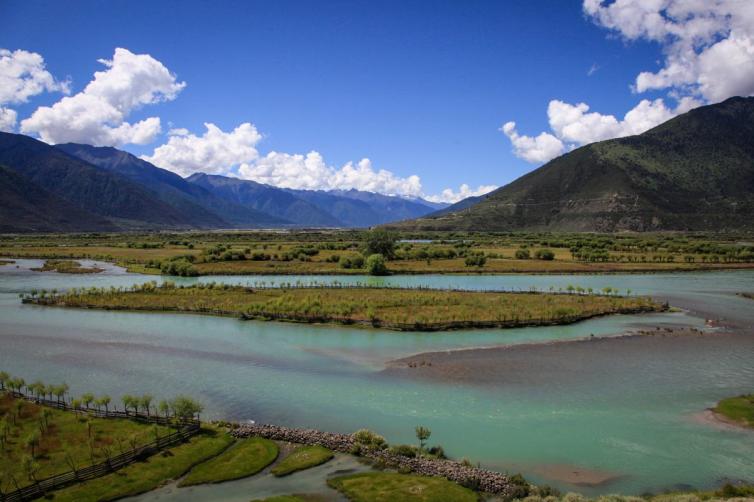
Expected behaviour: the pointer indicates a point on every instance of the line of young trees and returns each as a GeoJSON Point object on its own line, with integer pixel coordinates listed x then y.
{"type": "Point", "coordinates": [182, 407]}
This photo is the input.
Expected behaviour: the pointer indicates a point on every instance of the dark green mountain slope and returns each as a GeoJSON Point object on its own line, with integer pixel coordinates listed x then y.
{"type": "Point", "coordinates": [694, 172]}
{"type": "Point", "coordinates": [26, 207]}
{"type": "Point", "coordinates": [199, 206]}
{"type": "Point", "coordinates": [86, 186]}
{"type": "Point", "coordinates": [264, 198]}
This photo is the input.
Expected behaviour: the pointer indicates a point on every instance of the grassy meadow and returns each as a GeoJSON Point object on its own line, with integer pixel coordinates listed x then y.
{"type": "Point", "coordinates": [394, 308]}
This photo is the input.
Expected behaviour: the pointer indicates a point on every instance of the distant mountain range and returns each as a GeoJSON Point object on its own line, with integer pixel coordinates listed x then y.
{"type": "Point", "coordinates": [694, 172]}
{"type": "Point", "coordinates": [75, 187]}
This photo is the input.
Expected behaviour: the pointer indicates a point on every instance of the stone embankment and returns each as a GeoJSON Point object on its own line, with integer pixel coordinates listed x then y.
{"type": "Point", "coordinates": [483, 479]}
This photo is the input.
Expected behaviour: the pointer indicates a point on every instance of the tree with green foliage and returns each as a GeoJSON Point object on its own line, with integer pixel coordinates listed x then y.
{"type": "Point", "coordinates": [104, 401]}
{"type": "Point", "coordinates": [4, 378]}
{"type": "Point", "coordinates": [146, 402]}
{"type": "Point", "coordinates": [422, 434]}
{"type": "Point", "coordinates": [184, 407]}
{"type": "Point", "coordinates": [376, 265]}
{"type": "Point", "coordinates": [380, 242]}
{"type": "Point", "coordinates": [32, 441]}
{"type": "Point", "coordinates": [522, 254]}
{"type": "Point", "coordinates": [87, 399]}
{"type": "Point", "coordinates": [164, 407]}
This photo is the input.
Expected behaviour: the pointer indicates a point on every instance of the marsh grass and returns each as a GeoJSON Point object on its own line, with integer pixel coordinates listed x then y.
{"type": "Point", "coordinates": [384, 486]}
{"type": "Point", "coordinates": [303, 457]}
{"type": "Point", "coordinates": [392, 308]}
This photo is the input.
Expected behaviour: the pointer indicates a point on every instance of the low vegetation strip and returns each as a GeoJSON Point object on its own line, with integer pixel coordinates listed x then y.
{"type": "Point", "coordinates": [377, 451]}
{"type": "Point", "coordinates": [245, 458]}
{"type": "Point", "coordinates": [739, 409]}
{"type": "Point", "coordinates": [387, 486]}
{"type": "Point", "coordinates": [302, 458]}
{"type": "Point", "coordinates": [391, 308]}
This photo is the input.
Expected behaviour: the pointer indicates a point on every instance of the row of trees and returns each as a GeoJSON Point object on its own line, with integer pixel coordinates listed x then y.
{"type": "Point", "coordinates": [182, 407]}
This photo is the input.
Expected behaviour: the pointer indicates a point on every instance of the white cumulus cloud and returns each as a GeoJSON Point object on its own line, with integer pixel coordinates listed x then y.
{"type": "Point", "coordinates": [7, 120]}
{"type": "Point", "coordinates": [464, 191]}
{"type": "Point", "coordinates": [97, 115]}
{"type": "Point", "coordinates": [708, 45]}
{"type": "Point", "coordinates": [23, 74]}
{"type": "Point", "coordinates": [534, 149]}
{"type": "Point", "coordinates": [235, 153]}
{"type": "Point", "coordinates": [214, 152]}
{"type": "Point", "coordinates": [708, 56]}
{"type": "Point", "coordinates": [574, 125]}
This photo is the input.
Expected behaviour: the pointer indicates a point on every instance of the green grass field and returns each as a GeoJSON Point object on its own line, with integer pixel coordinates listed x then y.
{"type": "Point", "coordinates": [245, 458]}
{"type": "Point", "coordinates": [393, 487]}
{"type": "Point", "coordinates": [68, 438]}
{"type": "Point", "coordinates": [381, 307]}
{"type": "Point", "coordinates": [302, 458]}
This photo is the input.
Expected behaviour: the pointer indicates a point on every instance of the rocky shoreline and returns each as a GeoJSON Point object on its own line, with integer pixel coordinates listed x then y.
{"type": "Point", "coordinates": [486, 480]}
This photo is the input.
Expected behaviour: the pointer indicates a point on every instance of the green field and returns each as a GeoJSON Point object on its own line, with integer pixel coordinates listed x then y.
{"type": "Point", "coordinates": [415, 309]}
{"type": "Point", "coordinates": [245, 458]}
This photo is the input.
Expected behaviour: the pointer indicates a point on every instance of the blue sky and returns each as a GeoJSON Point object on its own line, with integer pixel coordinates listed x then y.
{"type": "Point", "coordinates": [418, 88]}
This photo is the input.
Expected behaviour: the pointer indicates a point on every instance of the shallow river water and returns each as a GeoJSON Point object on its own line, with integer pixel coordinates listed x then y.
{"type": "Point", "coordinates": [634, 420]}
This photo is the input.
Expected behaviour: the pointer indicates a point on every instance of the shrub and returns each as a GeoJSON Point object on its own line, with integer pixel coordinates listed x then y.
{"type": "Point", "coordinates": [376, 265]}
{"type": "Point", "coordinates": [404, 450]}
{"type": "Point", "coordinates": [475, 260]}
{"type": "Point", "coordinates": [380, 242]}
{"type": "Point", "coordinates": [522, 254]}
{"type": "Point", "coordinates": [544, 254]}
{"type": "Point", "coordinates": [369, 439]}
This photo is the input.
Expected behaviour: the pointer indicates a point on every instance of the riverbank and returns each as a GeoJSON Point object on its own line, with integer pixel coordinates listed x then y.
{"type": "Point", "coordinates": [400, 309]}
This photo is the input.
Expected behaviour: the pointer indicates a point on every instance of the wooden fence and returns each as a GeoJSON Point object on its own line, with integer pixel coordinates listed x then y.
{"type": "Point", "coordinates": [187, 429]}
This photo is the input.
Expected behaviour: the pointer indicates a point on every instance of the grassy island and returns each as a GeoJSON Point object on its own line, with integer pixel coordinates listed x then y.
{"type": "Point", "coordinates": [391, 308]}
{"type": "Point", "coordinates": [66, 267]}
{"type": "Point", "coordinates": [739, 409]}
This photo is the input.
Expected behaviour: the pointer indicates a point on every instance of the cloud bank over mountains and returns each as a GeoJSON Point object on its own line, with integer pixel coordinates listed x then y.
{"type": "Point", "coordinates": [98, 115]}
{"type": "Point", "coordinates": [708, 48]}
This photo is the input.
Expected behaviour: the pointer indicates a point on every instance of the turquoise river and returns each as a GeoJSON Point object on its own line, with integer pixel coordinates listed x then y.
{"type": "Point", "coordinates": [632, 420]}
